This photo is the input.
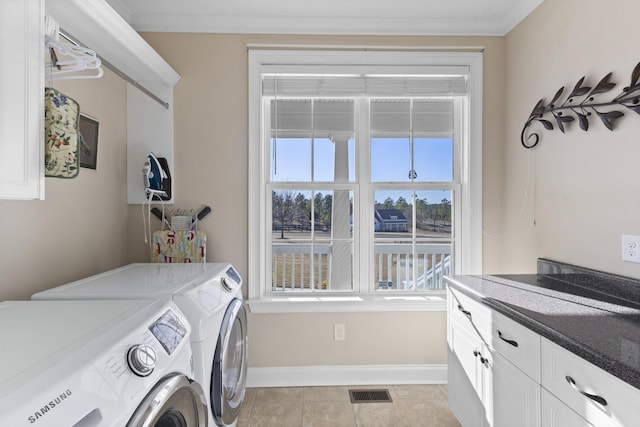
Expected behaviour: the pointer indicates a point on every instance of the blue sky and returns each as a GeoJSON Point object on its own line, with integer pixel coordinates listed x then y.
{"type": "Point", "coordinates": [390, 160]}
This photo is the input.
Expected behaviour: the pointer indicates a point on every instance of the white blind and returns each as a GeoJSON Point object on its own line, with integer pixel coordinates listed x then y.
{"type": "Point", "coordinates": [300, 118]}
{"type": "Point", "coordinates": [293, 85]}
{"type": "Point", "coordinates": [428, 115]}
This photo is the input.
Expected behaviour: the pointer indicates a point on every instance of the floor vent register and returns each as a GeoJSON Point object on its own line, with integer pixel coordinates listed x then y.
{"type": "Point", "coordinates": [370, 396]}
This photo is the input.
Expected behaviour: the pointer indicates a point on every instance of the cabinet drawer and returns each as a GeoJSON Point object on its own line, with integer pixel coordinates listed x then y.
{"type": "Point", "coordinates": [557, 414]}
{"type": "Point", "coordinates": [518, 344]}
{"type": "Point", "coordinates": [594, 394]}
{"type": "Point", "coordinates": [470, 313]}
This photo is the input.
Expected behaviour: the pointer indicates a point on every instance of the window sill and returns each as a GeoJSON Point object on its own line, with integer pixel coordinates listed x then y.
{"type": "Point", "coordinates": [352, 303]}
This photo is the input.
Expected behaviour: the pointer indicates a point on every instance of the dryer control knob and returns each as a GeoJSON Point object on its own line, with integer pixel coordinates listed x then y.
{"type": "Point", "coordinates": [141, 359]}
{"type": "Point", "coordinates": [225, 285]}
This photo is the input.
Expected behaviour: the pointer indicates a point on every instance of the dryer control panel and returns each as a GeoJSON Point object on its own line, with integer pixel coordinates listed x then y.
{"type": "Point", "coordinates": [232, 281]}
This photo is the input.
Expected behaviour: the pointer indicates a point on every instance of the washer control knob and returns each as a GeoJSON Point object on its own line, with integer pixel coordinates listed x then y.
{"type": "Point", "coordinates": [141, 359]}
{"type": "Point", "coordinates": [225, 285]}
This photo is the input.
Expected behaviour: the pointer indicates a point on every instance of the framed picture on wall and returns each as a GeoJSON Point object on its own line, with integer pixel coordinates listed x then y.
{"type": "Point", "coordinates": [88, 141]}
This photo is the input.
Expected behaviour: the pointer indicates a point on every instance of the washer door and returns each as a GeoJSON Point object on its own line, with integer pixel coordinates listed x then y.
{"type": "Point", "coordinates": [174, 402]}
{"type": "Point", "coordinates": [229, 372]}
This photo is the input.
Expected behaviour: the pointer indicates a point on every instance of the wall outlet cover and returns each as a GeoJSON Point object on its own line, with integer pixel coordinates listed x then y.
{"type": "Point", "coordinates": [630, 248]}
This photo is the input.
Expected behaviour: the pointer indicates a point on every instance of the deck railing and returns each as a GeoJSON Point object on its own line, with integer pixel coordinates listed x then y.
{"type": "Point", "coordinates": [303, 266]}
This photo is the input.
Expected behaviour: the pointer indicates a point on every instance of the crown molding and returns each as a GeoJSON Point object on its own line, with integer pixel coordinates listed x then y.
{"type": "Point", "coordinates": [312, 26]}
{"type": "Point", "coordinates": [258, 24]}
{"type": "Point", "coordinates": [518, 14]}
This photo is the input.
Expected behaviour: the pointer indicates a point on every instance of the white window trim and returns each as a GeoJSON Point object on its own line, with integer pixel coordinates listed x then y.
{"type": "Point", "coordinates": [467, 261]}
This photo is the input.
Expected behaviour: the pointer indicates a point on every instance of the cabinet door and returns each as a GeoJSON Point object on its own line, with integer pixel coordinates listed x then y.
{"type": "Point", "coordinates": [511, 398]}
{"type": "Point", "coordinates": [22, 100]}
{"type": "Point", "coordinates": [465, 376]}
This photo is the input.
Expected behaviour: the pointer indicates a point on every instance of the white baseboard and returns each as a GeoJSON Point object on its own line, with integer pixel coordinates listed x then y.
{"type": "Point", "coordinates": [298, 376]}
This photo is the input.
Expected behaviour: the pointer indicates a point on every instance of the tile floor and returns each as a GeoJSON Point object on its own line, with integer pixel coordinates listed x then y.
{"type": "Point", "coordinates": [412, 406]}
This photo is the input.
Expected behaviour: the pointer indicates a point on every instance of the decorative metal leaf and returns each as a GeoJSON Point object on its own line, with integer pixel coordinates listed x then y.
{"type": "Point", "coordinates": [635, 108]}
{"type": "Point", "coordinates": [538, 109]}
{"type": "Point", "coordinates": [604, 85]}
{"type": "Point", "coordinates": [584, 121]}
{"type": "Point", "coordinates": [561, 120]}
{"type": "Point", "coordinates": [635, 75]}
{"type": "Point", "coordinates": [579, 90]}
{"type": "Point", "coordinates": [610, 117]}
{"type": "Point", "coordinates": [547, 124]}
{"type": "Point", "coordinates": [568, 111]}
{"type": "Point", "coordinates": [556, 96]}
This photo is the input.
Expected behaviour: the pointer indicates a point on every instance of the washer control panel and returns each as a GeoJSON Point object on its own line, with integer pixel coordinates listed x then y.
{"type": "Point", "coordinates": [169, 330]}
{"type": "Point", "coordinates": [142, 359]}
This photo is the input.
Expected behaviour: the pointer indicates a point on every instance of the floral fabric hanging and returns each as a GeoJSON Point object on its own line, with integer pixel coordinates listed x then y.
{"type": "Point", "coordinates": [61, 116]}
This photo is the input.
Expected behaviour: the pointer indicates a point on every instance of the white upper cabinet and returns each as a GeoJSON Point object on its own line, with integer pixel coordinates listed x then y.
{"type": "Point", "coordinates": [96, 25]}
{"type": "Point", "coordinates": [149, 115]}
{"type": "Point", "coordinates": [21, 99]}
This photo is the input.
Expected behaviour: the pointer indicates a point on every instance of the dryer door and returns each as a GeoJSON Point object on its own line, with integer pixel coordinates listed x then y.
{"type": "Point", "coordinates": [174, 402]}
{"type": "Point", "coordinates": [229, 372]}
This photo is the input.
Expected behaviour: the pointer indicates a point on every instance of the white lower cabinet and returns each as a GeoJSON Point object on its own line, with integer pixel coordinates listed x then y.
{"type": "Point", "coordinates": [502, 374]}
{"type": "Point", "coordinates": [465, 386]}
{"type": "Point", "coordinates": [512, 399]}
{"type": "Point", "coordinates": [557, 414]}
{"type": "Point", "coordinates": [485, 389]}
{"type": "Point", "coordinates": [591, 392]}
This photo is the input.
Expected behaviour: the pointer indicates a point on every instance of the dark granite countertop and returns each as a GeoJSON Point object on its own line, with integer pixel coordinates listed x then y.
{"type": "Point", "coordinates": [592, 314]}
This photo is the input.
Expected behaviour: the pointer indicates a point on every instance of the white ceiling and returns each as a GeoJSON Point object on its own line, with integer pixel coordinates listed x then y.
{"type": "Point", "coordinates": [363, 17]}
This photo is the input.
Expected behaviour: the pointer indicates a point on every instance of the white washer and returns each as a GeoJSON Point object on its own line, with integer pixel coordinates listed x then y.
{"type": "Point", "coordinates": [210, 296]}
{"type": "Point", "coordinates": [97, 363]}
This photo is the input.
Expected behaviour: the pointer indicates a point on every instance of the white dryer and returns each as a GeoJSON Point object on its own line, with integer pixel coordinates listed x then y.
{"type": "Point", "coordinates": [210, 296]}
{"type": "Point", "coordinates": [98, 364]}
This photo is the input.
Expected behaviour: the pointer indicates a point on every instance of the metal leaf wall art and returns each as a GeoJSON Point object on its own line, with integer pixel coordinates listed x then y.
{"type": "Point", "coordinates": [581, 105]}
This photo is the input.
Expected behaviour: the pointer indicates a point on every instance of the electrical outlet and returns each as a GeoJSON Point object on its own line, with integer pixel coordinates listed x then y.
{"type": "Point", "coordinates": [338, 332]}
{"type": "Point", "coordinates": [631, 248]}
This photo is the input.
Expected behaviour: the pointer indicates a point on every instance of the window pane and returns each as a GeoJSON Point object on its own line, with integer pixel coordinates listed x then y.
{"type": "Point", "coordinates": [290, 160]}
{"type": "Point", "coordinates": [433, 215]}
{"type": "Point", "coordinates": [433, 251]}
{"type": "Point", "coordinates": [390, 159]}
{"type": "Point", "coordinates": [323, 160]}
{"type": "Point", "coordinates": [333, 161]}
{"type": "Point", "coordinates": [306, 133]}
{"type": "Point", "coordinates": [312, 240]}
{"type": "Point", "coordinates": [407, 255]}
{"type": "Point", "coordinates": [433, 159]}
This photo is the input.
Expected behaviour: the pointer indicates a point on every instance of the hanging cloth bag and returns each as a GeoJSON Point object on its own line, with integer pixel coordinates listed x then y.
{"type": "Point", "coordinates": [61, 117]}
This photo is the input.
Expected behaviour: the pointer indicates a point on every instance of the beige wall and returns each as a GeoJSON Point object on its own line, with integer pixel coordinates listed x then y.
{"type": "Point", "coordinates": [582, 190]}
{"type": "Point", "coordinates": [278, 340]}
{"type": "Point", "coordinates": [210, 168]}
{"type": "Point", "coordinates": [80, 228]}
{"type": "Point", "coordinates": [583, 187]}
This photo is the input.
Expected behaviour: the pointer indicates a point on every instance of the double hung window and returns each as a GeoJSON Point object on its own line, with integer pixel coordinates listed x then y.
{"type": "Point", "coordinates": [361, 173]}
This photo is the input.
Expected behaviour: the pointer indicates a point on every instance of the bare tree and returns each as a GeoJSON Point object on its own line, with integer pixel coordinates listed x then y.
{"type": "Point", "coordinates": [284, 208]}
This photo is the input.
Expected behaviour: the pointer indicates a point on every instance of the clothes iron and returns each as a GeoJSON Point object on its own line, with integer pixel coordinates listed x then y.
{"type": "Point", "coordinates": [157, 178]}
